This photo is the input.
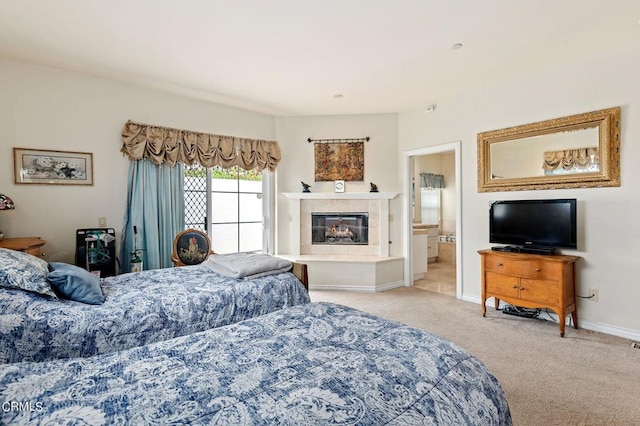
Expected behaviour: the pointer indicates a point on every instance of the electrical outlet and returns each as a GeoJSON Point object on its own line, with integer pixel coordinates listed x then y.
{"type": "Point", "coordinates": [102, 222]}
{"type": "Point", "coordinates": [635, 345]}
{"type": "Point", "coordinates": [596, 295]}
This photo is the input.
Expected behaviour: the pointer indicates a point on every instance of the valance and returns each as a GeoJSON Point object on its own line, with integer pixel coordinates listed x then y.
{"type": "Point", "coordinates": [170, 146]}
{"type": "Point", "coordinates": [431, 180]}
{"type": "Point", "coordinates": [575, 160]}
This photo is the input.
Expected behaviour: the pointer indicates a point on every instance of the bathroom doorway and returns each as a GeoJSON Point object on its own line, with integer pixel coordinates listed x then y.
{"type": "Point", "coordinates": [433, 249]}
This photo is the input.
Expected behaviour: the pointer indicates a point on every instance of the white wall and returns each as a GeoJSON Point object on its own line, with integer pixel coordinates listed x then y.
{"type": "Point", "coordinates": [47, 108]}
{"type": "Point", "coordinates": [380, 156]}
{"type": "Point", "coordinates": [609, 232]}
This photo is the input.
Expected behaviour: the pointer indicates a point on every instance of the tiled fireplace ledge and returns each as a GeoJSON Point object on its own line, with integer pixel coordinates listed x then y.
{"type": "Point", "coordinates": [352, 273]}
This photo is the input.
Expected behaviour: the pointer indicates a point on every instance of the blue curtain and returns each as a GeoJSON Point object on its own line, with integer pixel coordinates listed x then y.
{"type": "Point", "coordinates": [431, 180]}
{"type": "Point", "coordinates": [155, 206]}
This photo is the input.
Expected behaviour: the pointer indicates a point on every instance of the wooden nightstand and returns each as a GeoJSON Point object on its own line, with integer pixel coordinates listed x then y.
{"type": "Point", "coordinates": [31, 245]}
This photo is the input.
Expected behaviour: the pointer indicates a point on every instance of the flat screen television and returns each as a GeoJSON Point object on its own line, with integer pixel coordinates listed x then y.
{"type": "Point", "coordinates": [534, 225]}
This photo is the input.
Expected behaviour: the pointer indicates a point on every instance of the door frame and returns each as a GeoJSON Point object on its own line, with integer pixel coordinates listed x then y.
{"type": "Point", "coordinates": [409, 166]}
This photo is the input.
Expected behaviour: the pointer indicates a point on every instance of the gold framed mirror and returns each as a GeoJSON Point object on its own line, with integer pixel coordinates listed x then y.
{"type": "Point", "coordinates": [578, 151]}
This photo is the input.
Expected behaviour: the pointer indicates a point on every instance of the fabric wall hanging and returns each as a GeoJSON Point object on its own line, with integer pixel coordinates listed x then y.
{"type": "Point", "coordinates": [164, 145]}
{"type": "Point", "coordinates": [339, 159]}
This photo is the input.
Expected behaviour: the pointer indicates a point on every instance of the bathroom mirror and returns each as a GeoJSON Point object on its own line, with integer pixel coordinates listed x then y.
{"type": "Point", "coordinates": [578, 151]}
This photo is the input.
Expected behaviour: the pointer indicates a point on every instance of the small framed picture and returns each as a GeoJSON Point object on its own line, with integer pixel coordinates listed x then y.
{"type": "Point", "coordinates": [37, 166]}
{"type": "Point", "coordinates": [339, 186]}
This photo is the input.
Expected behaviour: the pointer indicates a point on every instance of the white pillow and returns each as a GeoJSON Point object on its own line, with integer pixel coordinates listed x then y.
{"type": "Point", "coordinates": [24, 271]}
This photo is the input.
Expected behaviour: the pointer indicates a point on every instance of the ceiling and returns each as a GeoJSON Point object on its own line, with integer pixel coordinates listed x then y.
{"type": "Point", "coordinates": [291, 57]}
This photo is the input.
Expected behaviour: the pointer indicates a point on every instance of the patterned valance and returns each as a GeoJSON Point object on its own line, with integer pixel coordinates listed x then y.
{"type": "Point", "coordinates": [431, 180]}
{"type": "Point", "coordinates": [575, 160]}
{"type": "Point", "coordinates": [170, 146]}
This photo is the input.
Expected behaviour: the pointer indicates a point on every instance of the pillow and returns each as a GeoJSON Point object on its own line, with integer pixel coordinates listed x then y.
{"type": "Point", "coordinates": [74, 283]}
{"type": "Point", "coordinates": [24, 271]}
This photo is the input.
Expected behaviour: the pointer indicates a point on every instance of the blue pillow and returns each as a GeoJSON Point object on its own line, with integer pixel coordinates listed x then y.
{"type": "Point", "coordinates": [75, 283]}
{"type": "Point", "coordinates": [24, 271]}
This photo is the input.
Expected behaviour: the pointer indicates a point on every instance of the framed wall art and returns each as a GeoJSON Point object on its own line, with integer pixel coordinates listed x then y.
{"type": "Point", "coordinates": [38, 166]}
{"type": "Point", "coordinates": [339, 161]}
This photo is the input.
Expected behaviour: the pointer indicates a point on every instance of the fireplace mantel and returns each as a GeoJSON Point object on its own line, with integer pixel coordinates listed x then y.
{"type": "Point", "coordinates": [340, 195]}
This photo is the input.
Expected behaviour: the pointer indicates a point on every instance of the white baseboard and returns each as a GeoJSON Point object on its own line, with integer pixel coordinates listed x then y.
{"type": "Point", "coordinates": [390, 286]}
{"type": "Point", "coordinates": [627, 333]}
{"type": "Point", "coordinates": [361, 289]}
{"type": "Point", "coordinates": [613, 330]}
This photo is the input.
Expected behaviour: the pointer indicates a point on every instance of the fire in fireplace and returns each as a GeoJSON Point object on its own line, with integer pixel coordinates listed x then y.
{"type": "Point", "coordinates": [340, 228]}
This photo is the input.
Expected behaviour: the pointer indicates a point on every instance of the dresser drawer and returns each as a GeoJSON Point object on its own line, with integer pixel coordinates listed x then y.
{"type": "Point", "coordinates": [526, 268]}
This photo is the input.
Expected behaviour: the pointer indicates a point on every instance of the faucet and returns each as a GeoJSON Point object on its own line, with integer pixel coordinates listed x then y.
{"type": "Point", "coordinates": [449, 238]}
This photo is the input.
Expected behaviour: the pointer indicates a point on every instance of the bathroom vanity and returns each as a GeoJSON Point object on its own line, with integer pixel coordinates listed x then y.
{"type": "Point", "coordinates": [424, 248]}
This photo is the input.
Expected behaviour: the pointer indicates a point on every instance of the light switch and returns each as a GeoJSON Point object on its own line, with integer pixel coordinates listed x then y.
{"type": "Point", "coordinates": [102, 222]}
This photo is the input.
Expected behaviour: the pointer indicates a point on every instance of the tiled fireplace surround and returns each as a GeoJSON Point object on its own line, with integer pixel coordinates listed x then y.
{"type": "Point", "coordinates": [346, 267]}
{"type": "Point", "coordinates": [375, 204]}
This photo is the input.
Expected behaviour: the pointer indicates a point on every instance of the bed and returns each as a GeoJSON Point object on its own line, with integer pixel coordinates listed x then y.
{"type": "Point", "coordinates": [138, 308]}
{"type": "Point", "coordinates": [317, 363]}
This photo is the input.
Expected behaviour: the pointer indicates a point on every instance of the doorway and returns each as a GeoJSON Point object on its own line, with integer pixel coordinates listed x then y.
{"type": "Point", "coordinates": [451, 251]}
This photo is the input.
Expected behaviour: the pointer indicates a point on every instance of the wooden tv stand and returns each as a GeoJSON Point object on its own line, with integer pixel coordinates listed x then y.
{"type": "Point", "coordinates": [531, 281]}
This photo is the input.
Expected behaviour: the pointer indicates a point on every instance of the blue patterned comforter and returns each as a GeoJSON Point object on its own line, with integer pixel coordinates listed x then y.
{"type": "Point", "coordinates": [316, 363]}
{"type": "Point", "coordinates": [140, 308]}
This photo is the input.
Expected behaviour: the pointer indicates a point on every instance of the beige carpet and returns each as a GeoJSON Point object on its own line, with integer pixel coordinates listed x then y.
{"type": "Point", "coordinates": [585, 378]}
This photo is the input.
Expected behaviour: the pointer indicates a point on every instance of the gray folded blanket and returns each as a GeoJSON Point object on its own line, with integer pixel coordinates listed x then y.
{"type": "Point", "coordinates": [246, 265]}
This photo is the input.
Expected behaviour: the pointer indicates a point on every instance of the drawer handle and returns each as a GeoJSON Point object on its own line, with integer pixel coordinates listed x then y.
{"type": "Point", "coordinates": [515, 286]}
{"type": "Point", "coordinates": [537, 269]}
{"type": "Point", "coordinates": [521, 288]}
{"type": "Point", "coordinates": [499, 265]}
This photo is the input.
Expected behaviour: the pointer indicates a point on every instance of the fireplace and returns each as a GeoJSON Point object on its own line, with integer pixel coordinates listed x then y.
{"type": "Point", "coordinates": [341, 228]}
{"type": "Point", "coordinates": [375, 204]}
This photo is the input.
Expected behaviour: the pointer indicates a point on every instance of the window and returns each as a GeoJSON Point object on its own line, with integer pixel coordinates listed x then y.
{"type": "Point", "coordinates": [231, 205]}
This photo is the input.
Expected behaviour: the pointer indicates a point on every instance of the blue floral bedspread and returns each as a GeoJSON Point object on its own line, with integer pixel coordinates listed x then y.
{"type": "Point", "coordinates": [140, 308]}
{"type": "Point", "coordinates": [314, 364]}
